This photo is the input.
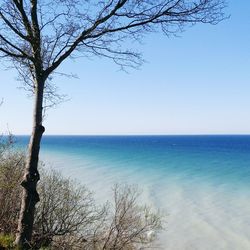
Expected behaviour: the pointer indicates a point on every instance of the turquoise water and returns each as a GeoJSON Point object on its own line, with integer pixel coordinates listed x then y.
{"type": "Point", "coordinates": [202, 183]}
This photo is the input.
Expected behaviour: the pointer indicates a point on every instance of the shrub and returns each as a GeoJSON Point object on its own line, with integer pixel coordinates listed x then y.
{"type": "Point", "coordinates": [67, 217]}
{"type": "Point", "coordinates": [11, 168]}
{"type": "Point", "coordinates": [66, 212]}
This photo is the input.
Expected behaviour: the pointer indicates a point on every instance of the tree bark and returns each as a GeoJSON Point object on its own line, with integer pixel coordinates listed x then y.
{"type": "Point", "coordinates": [31, 176]}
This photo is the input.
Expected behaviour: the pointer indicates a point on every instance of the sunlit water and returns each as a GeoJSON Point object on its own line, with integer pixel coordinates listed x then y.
{"type": "Point", "coordinates": [202, 183]}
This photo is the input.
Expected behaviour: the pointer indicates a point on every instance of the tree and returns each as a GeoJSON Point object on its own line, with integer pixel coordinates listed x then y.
{"type": "Point", "coordinates": [38, 36]}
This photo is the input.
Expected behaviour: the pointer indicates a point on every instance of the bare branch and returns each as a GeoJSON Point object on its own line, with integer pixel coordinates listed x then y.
{"type": "Point", "coordinates": [20, 7]}
{"type": "Point", "coordinates": [16, 31]}
{"type": "Point", "coordinates": [47, 33]}
{"type": "Point", "coordinates": [13, 46]}
{"type": "Point", "coordinates": [8, 53]}
{"type": "Point", "coordinates": [136, 19]}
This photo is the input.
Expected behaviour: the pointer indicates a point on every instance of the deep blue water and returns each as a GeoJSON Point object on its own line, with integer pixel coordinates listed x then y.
{"type": "Point", "coordinates": [218, 158]}
{"type": "Point", "coordinates": [201, 182]}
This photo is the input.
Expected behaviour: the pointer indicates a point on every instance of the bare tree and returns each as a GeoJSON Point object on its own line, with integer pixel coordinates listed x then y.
{"type": "Point", "coordinates": [37, 36]}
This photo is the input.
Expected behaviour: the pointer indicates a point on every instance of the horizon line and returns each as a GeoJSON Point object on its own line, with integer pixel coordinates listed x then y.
{"type": "Point", "coordinates": [198, 134]}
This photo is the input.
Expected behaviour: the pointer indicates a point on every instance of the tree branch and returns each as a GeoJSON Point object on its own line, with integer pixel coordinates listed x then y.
{"type": "Point", "coordinates": [17, 32]}
{"type": "Point", "coordinates": [176, 13]}
{"type": "Point", "coordinates": [20, 7]}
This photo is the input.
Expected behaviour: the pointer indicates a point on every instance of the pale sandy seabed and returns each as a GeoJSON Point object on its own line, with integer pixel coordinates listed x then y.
{"type": "Point", "coordinates": [198, 215]}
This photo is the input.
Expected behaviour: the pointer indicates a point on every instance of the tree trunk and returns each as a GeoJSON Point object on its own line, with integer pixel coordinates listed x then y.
{"type": "Point", "coordinates": [31, 176]}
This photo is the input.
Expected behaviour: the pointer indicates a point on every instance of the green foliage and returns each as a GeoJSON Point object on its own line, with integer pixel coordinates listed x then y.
{"type": "Point", "coordinates": [6, 241]}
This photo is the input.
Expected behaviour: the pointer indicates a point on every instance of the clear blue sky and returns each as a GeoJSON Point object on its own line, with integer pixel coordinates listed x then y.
{"type": "Point", "coordinates": [198, 83]}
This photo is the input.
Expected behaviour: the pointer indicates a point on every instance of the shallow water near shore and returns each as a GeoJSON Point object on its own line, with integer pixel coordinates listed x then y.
{"type": "Point", "coordinates": [202, 183]}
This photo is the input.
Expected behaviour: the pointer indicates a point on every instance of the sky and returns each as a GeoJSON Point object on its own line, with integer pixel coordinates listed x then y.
{"type": "Point", "coordinates": [196, 83]}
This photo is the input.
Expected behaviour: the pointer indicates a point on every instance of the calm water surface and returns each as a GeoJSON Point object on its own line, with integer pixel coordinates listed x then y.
{"type": "Point", "coordinates": [201, 182]}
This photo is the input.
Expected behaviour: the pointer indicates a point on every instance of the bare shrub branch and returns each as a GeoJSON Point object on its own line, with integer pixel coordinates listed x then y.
{"type": "Point", "coordinates": [67, 216]}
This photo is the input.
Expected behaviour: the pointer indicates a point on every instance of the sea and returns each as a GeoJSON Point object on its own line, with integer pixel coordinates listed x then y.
{"type": "Point", "coordinates": [201, 184]}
